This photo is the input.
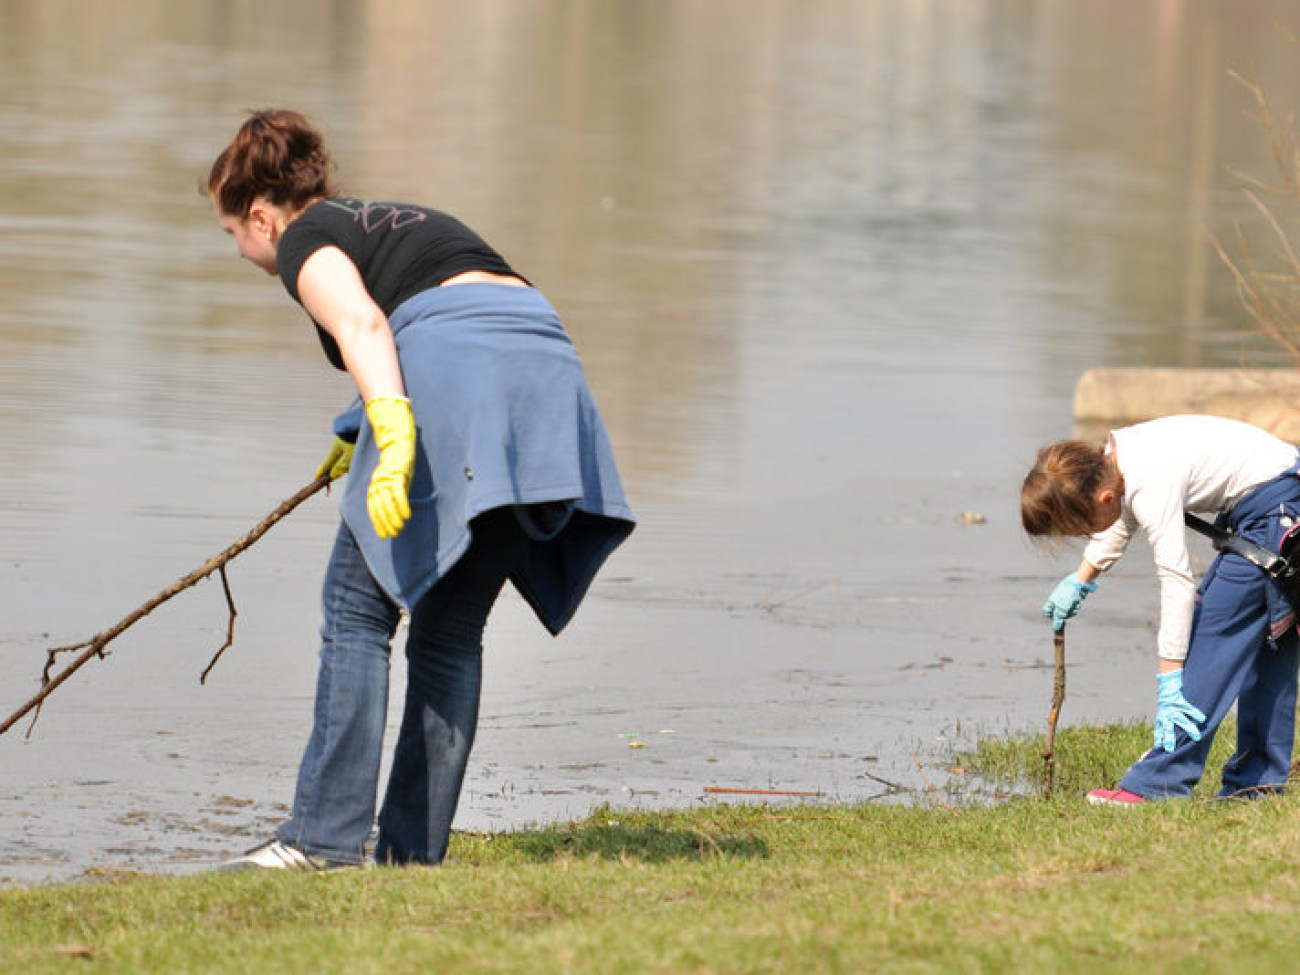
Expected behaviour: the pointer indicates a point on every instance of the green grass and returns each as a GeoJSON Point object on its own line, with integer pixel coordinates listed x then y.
{"type": "Point", "coordinates": [1087, 757]}
{"type": "Point", "coordinates": [944, 885]}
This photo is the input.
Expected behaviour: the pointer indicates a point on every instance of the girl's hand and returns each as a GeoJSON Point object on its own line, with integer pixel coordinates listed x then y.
{"type": "Point", "coordinates": [387, 499]}
{"type": "Point", "coordinates": [1066, 599]}
{"type": "Point", "coordinates": [1175, 711]}
{"type": "Point", "coordinates": [339, 459]}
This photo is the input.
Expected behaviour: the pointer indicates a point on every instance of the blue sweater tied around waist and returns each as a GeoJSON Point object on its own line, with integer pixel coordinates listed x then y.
{"type": "Point", "coordinates": [504, 418]}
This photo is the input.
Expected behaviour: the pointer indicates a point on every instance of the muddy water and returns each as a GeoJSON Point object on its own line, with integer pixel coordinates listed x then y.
{"type": "Point", "coordinates": [833, 268]}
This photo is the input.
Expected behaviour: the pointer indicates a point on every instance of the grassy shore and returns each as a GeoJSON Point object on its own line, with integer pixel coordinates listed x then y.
{"type": "Point", "coordinates": [945, 884]}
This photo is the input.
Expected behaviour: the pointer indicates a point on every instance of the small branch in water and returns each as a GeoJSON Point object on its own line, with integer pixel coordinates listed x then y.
{"type": "Point", "coordinates": [718, 790]}
{"type": "Point", "coordinates": [934, 793]}
{"type": "Point", "coordinates": [95, 646]}
{"type": "Point", "coordinates": [892, 786]}
{"type": "Point", "coordinates": [767, 605]}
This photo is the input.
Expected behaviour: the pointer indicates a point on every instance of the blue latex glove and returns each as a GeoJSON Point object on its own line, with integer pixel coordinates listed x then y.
{"type": "Point", "coordinates": [1066, 599]}
{"type": "Point", "coordinates": [1174, 710]}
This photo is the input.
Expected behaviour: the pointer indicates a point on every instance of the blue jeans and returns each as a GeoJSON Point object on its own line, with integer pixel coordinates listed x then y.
{"type": "Point", "coordinates": [334, 802]}
{"type": "Point", "coordinates": [1232, 657]}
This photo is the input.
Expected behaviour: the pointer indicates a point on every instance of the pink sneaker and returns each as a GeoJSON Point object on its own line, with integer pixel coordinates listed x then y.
{"type": "Point", "coordinates": [1114, 797]}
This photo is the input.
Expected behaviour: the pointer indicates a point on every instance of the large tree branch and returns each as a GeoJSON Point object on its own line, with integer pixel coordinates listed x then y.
{"type": "Point", "coordinates": [94, 647]}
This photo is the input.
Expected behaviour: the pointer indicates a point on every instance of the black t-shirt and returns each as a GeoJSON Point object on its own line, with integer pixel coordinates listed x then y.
{"type": "Point", "coordinates": [399, 249]}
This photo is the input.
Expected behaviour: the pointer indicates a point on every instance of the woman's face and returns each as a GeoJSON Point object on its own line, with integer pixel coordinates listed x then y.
{"type": "Point", "coordinates": [255, 236]}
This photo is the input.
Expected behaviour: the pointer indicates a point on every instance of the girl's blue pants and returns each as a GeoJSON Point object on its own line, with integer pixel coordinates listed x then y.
{"type": "Point", "coordinates": [1233, 656]}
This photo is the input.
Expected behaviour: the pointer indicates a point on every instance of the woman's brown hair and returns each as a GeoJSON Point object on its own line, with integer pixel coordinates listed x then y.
{"type": "Point", "coordinates": [1059, 496]}
{"type": "Point", "coordinates": [276, 154]}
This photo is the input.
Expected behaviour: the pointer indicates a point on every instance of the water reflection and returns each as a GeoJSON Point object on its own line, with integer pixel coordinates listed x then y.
{"type": "Point", "coordinates": [833, 267]}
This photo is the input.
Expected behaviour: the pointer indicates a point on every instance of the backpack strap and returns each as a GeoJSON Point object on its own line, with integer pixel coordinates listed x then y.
{"type": "Point", "coordinates": [1270, 562]}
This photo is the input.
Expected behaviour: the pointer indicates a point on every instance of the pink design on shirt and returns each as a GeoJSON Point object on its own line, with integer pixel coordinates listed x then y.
{"type": "Point", "coordinates": [373, 216]}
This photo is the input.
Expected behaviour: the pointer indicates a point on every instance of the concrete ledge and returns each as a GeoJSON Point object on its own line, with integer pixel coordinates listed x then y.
{"type": "Point", "coordinates": [1268, 398]}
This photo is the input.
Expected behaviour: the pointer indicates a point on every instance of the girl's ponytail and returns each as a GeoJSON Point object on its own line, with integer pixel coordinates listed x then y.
{"type": "Point", "coordinates": [276, 154]}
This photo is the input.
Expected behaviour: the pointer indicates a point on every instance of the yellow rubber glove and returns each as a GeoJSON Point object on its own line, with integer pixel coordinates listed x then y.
{"type": "Point", "coordinates": [338, 461]}
{"type": "Point", "coordinates": [386, 500]}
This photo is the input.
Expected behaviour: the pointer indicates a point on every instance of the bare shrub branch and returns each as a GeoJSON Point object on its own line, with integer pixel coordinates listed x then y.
{"type": "Point", "coordinates": [97, 644]}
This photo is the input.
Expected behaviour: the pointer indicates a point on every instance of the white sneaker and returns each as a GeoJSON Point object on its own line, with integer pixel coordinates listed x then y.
{"type": "Point", "coordinates": [274, 855]}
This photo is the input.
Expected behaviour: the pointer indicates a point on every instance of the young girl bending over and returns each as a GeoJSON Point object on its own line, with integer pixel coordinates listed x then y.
{"type": "Point", "coordinates": [1234, 638]}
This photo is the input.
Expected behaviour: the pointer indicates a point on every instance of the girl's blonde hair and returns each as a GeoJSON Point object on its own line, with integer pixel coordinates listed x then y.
{"type": "Point", "coordinates": [1059, 496]}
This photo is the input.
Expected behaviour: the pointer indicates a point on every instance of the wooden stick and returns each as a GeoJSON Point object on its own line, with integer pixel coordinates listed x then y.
{"type": "Point", "coordinates": [934, 793]}
{"type": "Point", "coordinates": [719, 790]}
{"type": "Point", "coordinates": [94, 647]}
{"type": "Point", "coordinates": [1058, 698]}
